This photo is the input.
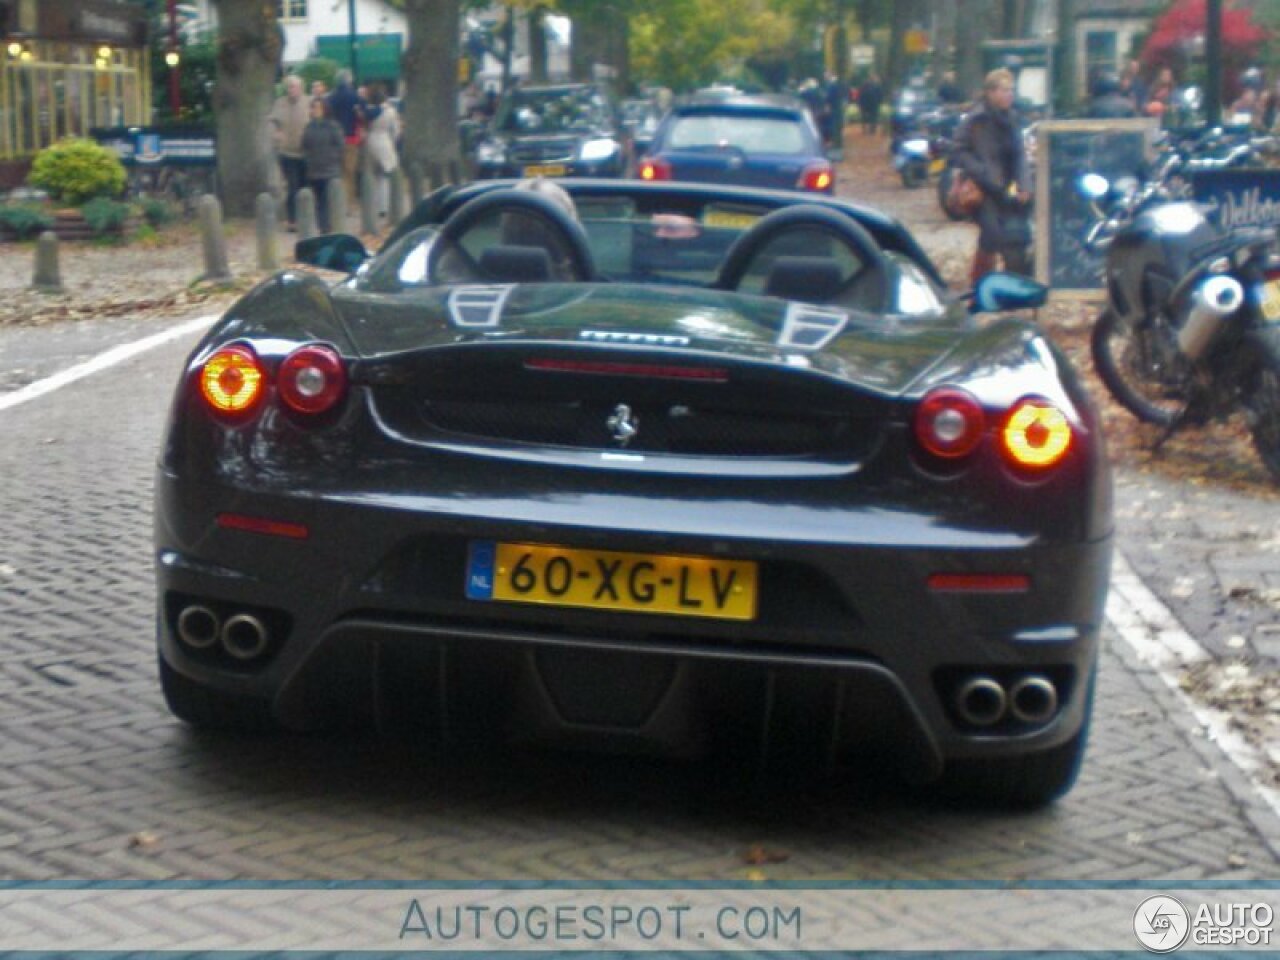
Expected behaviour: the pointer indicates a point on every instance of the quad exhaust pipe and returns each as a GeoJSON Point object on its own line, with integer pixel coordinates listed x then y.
{"type": "Point", "coordinates": [242, 636]}
{"type": "Point", "coordinates": [983, 701]}
{"type": "Point", "coordinates": [1033, 699]}
{"type": "Point", "coordinates": [198, 627]}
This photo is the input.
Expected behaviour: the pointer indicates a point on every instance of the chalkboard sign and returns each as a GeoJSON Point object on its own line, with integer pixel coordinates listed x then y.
{"type": "Point", "coordinates": [1065, 151]}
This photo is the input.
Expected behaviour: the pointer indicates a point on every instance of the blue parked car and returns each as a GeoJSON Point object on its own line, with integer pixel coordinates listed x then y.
{"type": "Point", "coordinates": [748, 140]}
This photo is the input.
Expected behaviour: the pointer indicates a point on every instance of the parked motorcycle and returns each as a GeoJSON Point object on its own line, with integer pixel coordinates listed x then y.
{"type": "Point", "coordinates": [922, 149]}
{"type": "Point", "coordinates": [1191, 328]}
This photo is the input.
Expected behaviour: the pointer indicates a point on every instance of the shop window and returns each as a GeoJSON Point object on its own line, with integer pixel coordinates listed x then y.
{"type": "Point", "coordinates": [1101, 53]}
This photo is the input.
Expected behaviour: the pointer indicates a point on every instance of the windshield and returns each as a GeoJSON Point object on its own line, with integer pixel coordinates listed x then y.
{"type": "Point", "coordinates": [752, 134]}
{"type": "Point", "coordinates": [553, 111]}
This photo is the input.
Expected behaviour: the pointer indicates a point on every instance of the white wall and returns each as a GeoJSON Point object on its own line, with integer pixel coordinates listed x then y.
{"type": "Point", "coordinates": [330, 17]}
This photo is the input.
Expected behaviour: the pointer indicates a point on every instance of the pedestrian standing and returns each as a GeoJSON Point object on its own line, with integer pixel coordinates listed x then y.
{"type": "Point", "coordinates": [837, 94]}
{"type": "Point", "coordinates": [346, 108]}
{"type": "Point", "coordinates": [289, 117]}
{"type": "Point", "coordinates": [322, 146]}
{"type": "Point", "coordinates": [870, 100]}
{"type": "Point", "coordinates": [380, 144]}
{"type": "Point", "coordinates": [989, 149]}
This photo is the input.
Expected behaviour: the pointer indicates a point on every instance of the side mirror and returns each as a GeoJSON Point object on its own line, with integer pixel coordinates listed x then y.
{"type": "Point", "coordinates": [1007, 291]}
{"type": "Point", "coordinates": [1093, 186]}
{"type": "Point", "coordinates": [333, 251]}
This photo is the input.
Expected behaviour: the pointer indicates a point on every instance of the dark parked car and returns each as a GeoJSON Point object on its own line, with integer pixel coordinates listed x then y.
{"type": "Point", "coordinates": [699, 467]}
{"type": "Point", "coordinates": [569, 130]}
{"type": "Point", "coordinates": [759, 141]}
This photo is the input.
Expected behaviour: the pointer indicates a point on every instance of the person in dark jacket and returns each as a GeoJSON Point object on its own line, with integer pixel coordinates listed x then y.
{"type": "Point", "coordinates": [989, 149]}
{"type": "Point", "coordinates": [1108, 100]}
{"type": "Point", "coordinates": [322, 146]}
{"type": "Point", "coordinates": [870, 100]}
{"type": "Point", "coordinates": [347, 107]}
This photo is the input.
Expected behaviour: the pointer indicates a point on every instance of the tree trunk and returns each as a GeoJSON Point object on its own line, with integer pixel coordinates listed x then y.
{"type": "Point", "coordinates": [537, 45]}
{"type": "Point", "coordinates": [431, 78]}
{"type": "Point", "coordinates": [1065, 57]}
{"type": "Point", "coordinates": [975, 23]}
{"type": "Point", "coordinates": [903, 19]}
{"type": "Point", "coordinates": [249, 48]}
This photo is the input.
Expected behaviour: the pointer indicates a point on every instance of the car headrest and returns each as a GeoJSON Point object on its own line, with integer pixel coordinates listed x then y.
{"type": "Point", "coordinates": [512, 264]}
{"type": "Point", "coordinates": [808, 279]}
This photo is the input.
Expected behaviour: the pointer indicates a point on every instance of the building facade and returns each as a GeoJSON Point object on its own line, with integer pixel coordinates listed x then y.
{"type": "Point", "coordinates": [68, 67]}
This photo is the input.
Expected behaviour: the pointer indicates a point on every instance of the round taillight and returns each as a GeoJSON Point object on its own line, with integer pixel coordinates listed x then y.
{"type": "Point", "coordinates": [1036, 434]}
{"type": "Point", "coordinates": [232, 380]}
{"type": "Point", "coordinates": [817, 177]}
{"type": "Point", "coordinates": [949, 423]}
{"type": "Point", "coordinates": [312, 379]}
{"type": "Point", "coordinates": [651, 168]}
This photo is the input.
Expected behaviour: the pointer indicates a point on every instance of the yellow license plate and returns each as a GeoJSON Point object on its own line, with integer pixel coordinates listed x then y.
{"type": "Point", "coordinates": [609, 580]}
{"type": "Point", "coordinates": [727, 218]}
{"type": "Point", "coordinates": [937, 165]}
{"type": "Point", "coordinates": [546, 170]}
{"type": "Point", "coordinates": [1271, 300]}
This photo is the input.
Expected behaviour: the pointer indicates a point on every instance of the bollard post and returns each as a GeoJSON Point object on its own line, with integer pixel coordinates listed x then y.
{"type": "Point", "coordinates": [47, 277]}
{"type": "Point", "coordinates": [413, 172]}
{"type": "Point", "coordinates": [395, 209]}
{"type": "Point", "coordinates": [369, 202]}
{"type": "Point", "coordinates": [267, 227]}
{"type": "Point", "coordinates": [213, 240]}
{"type": "Point", "coordinates": [336, 193]}
{"type": "Point", "coordinates": [304, 205]}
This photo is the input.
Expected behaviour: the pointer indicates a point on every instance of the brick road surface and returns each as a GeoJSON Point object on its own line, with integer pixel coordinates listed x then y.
{"type": "Point", "coordinates": [98, 781]}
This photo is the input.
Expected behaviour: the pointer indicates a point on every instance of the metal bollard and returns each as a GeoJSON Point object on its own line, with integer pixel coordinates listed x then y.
{"type": "Point", "coordinates": [48, 276]}
{"type": "Point", "coordinates": [369, 201]}
{"type": "Point", "coordinates": [304, 204]}
{"type": "Point", "coordinates": [213, 240]}
{"type": "Point", "coordinates": [336, 194]}
{"type": "Point", "coordinates": [395, 209]}
{"type": "Point", "coordinates": [267, 227]}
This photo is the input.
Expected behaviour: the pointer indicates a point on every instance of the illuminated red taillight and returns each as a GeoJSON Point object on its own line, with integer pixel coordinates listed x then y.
{"type": "Point", "coordinates": [949, 423]}
{"type": "Point", "coordinates": [232, 380]}
{"type": "Point", "coordinates": [312, 379]}
{"type": "Point", "coordinates": [652, 168]}
{"type": "Point", "coordinates": [818, 177]}
{"type": "Point", "coordinates": [1035, 434]}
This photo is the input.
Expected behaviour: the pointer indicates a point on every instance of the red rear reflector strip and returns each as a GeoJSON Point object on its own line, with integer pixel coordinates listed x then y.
{"type": "Point", "coordinates": [610, 368]}
{"type": "Point", "coordinates": [275, 528]}
{"type": "Point", "coordinates": [979, 582]}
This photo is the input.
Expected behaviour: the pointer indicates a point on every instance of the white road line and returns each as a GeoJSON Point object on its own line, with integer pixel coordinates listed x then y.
{"type": "Point", "coordinates": [1155, 635]}
{"type": "Point", "coordinates": [102, 362]}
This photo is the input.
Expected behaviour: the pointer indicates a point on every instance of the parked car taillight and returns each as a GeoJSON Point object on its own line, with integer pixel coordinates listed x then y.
{"type": "Point", "coordinates": [1035, 435]}
{"type": "Point", "coordinates": [312, 379]}
{"type": "Point", "coordinates": [949, 423]}
{"type": "Point", "coordinates": [818, 177]}
{"type": "Point", "coordinates": [653, 168]}
{"type": "Point", "coordinates": [232, 381]}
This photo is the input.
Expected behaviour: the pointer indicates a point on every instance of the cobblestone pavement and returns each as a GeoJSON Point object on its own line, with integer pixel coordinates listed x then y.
{"type": "Point", "coordinates": [98, 781]}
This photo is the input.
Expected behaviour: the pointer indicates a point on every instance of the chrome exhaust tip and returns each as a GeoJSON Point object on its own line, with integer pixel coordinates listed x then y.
{"type": "Point", "coordinates": [981, 701]}
{"type": "Point", "coordinates": [198, 627]}
{"type": "Point", "coordinates": [1033, 699]}
{"type": "Point", "coordinates": [1213, 301]}
{"type": "Point", "coordinates": [244, 636]}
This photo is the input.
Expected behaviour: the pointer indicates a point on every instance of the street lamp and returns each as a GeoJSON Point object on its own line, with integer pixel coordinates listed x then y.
{"type": "Point", "coordinates": [172, 58]}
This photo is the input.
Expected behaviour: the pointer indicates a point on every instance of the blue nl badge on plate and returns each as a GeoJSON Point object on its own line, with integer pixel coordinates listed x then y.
{"type": "Point", "coordinates": [480, 560]}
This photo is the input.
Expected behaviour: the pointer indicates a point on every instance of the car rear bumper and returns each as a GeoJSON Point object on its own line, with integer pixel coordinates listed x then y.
{"type": "Point", "coordinates": [849, 635]}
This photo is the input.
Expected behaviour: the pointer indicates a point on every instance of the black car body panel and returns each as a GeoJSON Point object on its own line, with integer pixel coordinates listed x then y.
{"type": "Point", "coordinates": [356, 538]}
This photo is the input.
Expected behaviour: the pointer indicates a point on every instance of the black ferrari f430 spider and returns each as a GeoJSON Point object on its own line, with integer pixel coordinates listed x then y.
{"type": "Point", "coordinates": [684, 467]}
